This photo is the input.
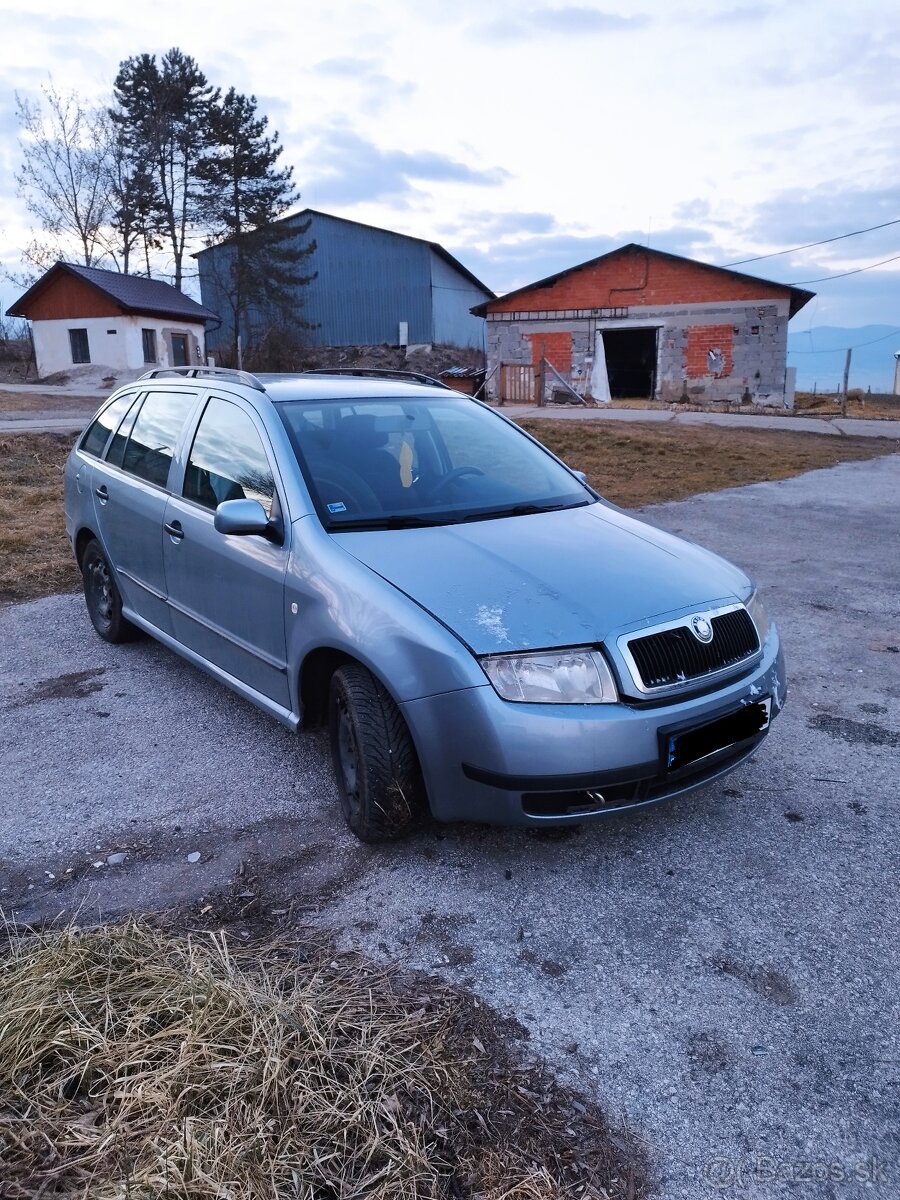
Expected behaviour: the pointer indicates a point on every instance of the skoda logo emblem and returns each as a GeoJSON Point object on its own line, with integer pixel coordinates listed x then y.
{"type": "Point", "coordinates": [702, 629]}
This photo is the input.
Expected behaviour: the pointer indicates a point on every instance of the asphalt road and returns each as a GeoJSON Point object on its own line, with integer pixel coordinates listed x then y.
{"type": "Point", "coordinates": [721, 971]}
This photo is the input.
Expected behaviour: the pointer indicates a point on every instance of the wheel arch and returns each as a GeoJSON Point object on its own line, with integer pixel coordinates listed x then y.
{"type": "Point", "coordinates": [82, 538]}
{"type": "Point", "coordinates": [316, 671]}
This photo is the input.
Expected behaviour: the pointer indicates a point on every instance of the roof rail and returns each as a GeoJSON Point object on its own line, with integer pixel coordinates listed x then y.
{"type": "Point", "coordinates": [199, 372]}
{"type": "Point", "coordinates": [381, 373]}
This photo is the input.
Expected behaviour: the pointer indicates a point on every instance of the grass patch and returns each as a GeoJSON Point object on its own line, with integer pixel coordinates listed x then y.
{"type": "Point", "coordinates": [630, 464]}
{"type": "Point", "coordinates": [138, 1063]}
{"type": "Point", "coordinates": [35, 556]}
{"type": "Point", "coordinates": [25, 402]}
{"type": "Point", "coordinates": [639, 464]}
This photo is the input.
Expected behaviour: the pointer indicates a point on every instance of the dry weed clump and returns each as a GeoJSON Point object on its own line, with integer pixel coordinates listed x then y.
{"type": "Point", "coordinates": [138, 1064]}
{"type": "Point", "coordinates": [35, 556]}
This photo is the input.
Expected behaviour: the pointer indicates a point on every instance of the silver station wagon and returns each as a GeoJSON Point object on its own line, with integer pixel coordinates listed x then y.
{"type": "Point", "coordinates": [486, 638]}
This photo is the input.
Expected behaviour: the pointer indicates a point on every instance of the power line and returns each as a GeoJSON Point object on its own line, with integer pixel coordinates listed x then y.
{"type": "Point", "coordinates": [895, 333]}
{"type": "Point", "coordinates": [844, 274]}
{"type": "Point", "coordinates": [809, 245]}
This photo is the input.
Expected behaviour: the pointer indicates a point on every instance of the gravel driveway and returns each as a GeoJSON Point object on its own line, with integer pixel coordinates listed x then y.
{"type": "Point", "coordinates": [722, 971]}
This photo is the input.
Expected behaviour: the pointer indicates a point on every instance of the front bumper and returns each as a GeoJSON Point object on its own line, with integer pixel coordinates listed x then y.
{"type": "Point", "coordinates": [487, 759]}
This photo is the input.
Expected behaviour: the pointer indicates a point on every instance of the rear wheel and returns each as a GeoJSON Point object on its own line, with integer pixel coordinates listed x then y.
{"type": "Point", "coordinates": [379, 781]}
{"type": "Point", "coordinates": [101, 594]}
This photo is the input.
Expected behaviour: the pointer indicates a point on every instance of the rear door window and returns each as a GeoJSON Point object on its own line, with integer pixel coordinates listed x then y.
{"type": "Point", "coordinates": [151, 445]}
{"type": "Point", "coordinates": [97, 434]}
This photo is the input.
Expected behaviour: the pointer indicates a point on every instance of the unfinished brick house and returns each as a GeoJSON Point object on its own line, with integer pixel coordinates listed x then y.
{"type": "Point", "coordinates": [645, 324]}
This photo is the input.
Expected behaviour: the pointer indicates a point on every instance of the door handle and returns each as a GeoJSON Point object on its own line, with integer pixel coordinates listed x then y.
{"type": "Point", "coordinates": [101, 493]}
{"type": "Point", "coordinates": [174, 530]}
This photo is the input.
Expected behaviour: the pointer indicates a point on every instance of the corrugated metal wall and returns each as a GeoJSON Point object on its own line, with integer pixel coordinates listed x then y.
{"type": "Point", "coordinates": [452, 295]}
{"type": "Point", "coordinates": [369, 280]}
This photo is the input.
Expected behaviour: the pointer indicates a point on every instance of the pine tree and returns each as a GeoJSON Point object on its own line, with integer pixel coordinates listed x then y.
{"type": "Point", "coordinates": [164, 111]}
{"type": "Point", "coordinates": [244, 193]}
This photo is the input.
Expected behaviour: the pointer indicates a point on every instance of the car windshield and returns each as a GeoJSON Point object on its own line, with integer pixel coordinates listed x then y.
{"type": "Point", "coordinates": [396, 463]}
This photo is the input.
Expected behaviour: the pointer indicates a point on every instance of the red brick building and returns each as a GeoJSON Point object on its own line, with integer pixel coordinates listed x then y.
{"type": "Point", "coordinates": [663, 327]}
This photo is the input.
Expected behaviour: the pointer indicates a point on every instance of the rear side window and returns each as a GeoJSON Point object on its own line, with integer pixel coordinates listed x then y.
{"type": "Point", "coordinates": [227, 460]}
{"type": "Point", "coordinates": [98, 432]}
{"type": "Point", "coordinates": [151, 446]}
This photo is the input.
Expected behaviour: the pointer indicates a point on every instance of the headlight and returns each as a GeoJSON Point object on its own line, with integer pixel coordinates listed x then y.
{"type": "Point", "coordinates": [757, 611]}
{"type": "Point", "coordinates": [552, 677]}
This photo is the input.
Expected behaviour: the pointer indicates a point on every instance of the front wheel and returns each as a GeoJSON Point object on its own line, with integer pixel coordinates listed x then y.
{"type": "Point", "coordinates": [380, 784]}
{"type": "Point", "coordinates": [102, 596]}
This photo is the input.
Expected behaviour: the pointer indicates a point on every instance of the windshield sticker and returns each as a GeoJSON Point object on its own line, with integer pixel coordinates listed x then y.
{"type": "Point", "coordinates": [337, 506]}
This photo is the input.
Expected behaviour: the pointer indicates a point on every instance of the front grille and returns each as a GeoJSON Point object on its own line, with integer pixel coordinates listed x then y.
{"type": "Point", "coordinates": [675, 656]}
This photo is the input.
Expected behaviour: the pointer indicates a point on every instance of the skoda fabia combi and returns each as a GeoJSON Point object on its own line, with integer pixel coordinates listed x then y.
{"type": "Point", "coordinates": [484, 635]}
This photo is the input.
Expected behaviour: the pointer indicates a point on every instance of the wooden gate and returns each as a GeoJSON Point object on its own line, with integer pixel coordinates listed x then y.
{"type": "Point", "coordinates": [518, 384]}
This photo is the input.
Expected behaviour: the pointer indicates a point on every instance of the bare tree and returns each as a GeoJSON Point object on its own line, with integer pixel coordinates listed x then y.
{"type": "Point", "coordinates": [62, 177]}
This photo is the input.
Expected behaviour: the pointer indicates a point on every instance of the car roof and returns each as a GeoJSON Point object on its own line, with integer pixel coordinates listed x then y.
{"type": "Point", "coordinates": [282, 388]}
{"type": "Point", "coordinates": [343, 384]}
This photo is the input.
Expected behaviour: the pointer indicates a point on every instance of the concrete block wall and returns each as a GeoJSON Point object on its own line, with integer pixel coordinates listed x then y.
{"type": "Point", "coordinates": [751, 339]}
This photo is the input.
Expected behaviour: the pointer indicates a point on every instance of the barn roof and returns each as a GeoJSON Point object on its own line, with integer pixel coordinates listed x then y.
{"type": "Point", "coordinates": [303, 214]}
{"type": "Point", "coordinates": [133, 293]}
{"type": "Point", "coordinates": [798, 296]}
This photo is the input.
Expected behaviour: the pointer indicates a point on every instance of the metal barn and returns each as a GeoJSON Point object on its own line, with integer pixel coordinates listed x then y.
{"type": "Point", "coordinates": [372, 287]}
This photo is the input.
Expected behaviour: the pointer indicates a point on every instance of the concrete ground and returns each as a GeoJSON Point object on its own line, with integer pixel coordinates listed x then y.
{"type": "Point", "coordinates": [48, 421]}
{"type": "Point", "coordinates": [833, 426]}
{"type": "Point", "coordinates": [721, 971]}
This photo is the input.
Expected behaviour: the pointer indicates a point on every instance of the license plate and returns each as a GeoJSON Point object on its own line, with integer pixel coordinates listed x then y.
{"type": "Point", "coordinates": [691, 745]}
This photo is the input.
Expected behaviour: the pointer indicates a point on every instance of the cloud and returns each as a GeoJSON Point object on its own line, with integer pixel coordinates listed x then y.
{"type": "Point", "coordinates": [345, 168]}
{"type": "Point", "coordinates": [863, 62]}
{"type": "Point", "coordinates": [507, 265]}
{"type": "Point", "coordinates": [742, 14]}
{"type": "Point", "coordinates": [800, 215]}
{"type": "Point", "coordinates": [345, 67]}
{"type": "Point", "coordinates": [484, 225]}
{"type": "Point", "coordinates": [378, 90]}
{"type": "Point", "coordinates": [570, 19]}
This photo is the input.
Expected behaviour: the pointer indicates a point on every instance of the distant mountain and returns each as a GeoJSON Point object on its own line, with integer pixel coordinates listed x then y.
{"type": "Point", "coordinates": [819, 353]}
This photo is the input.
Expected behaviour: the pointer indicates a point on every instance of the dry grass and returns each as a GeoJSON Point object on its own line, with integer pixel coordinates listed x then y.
{"type": "Point", "coordinates": [35, 556]}
{"type": "Point", "coordinates": [860, 405]}
{"type": "Point", "coordinates": [139, 1064]}
{"type": "Point", "coordinates": [36, 401]}
{"type": "Point", "coordinates": [639, 464]}
{"type": "Point", "coordinates": [630, 464]}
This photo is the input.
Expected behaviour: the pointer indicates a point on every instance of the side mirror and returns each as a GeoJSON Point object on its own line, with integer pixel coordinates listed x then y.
{"type": "Point", "coordinates": [241, 516]}
{"type": "Point", "coordinates": [579, 475]}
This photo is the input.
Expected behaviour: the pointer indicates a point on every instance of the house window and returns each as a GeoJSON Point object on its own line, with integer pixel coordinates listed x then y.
{"type": "Point", "coordinates": [78, 344]}
{"type": "Point", "coordinates": [179, 350]}
{"type": "Point", "coordinates": [149, 339]}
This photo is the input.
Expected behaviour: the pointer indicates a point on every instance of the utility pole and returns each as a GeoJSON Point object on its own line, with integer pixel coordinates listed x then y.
{"type": "Point", "coordinates": [846, 381]}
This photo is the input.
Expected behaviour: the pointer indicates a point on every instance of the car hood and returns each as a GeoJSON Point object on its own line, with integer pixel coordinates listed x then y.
{"type": "Point", "coordinates": [548, 579]}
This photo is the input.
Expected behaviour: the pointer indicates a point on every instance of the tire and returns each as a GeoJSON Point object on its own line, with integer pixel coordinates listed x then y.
{"type": "Point", "coordinates": [102, 596]}
{"type": "Point", "coordinates": [379, 780]}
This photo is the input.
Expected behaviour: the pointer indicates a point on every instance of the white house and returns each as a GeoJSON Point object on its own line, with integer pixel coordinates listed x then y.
{"type": "Point", "coordinates": [83, 315]}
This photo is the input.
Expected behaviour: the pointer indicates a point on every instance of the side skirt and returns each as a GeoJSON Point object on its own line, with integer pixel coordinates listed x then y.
{"type": "Point", "coordinates": [283, 715]}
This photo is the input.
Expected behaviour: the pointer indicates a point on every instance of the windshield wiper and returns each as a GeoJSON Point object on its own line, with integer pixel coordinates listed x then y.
{"type": "Point", "coordinates": [386, 522]}
{"type": "Point", "coordinates": [522, 510]}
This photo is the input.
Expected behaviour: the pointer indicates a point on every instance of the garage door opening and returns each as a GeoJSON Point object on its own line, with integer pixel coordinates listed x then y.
{"type": "Point", "coordinates": [631, 363]}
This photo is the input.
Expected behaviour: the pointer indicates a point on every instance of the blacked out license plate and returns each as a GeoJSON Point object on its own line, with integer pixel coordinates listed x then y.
{"type": "Point", "coordinates": [693, 744]}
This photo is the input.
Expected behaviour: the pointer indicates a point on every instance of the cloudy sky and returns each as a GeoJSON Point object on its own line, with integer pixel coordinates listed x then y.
{"type": "Point", "coordinates": [527, 137]}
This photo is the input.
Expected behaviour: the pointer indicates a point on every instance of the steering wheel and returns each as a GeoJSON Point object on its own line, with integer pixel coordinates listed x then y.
{"type": "Point", "coordinates": [456, 473]}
